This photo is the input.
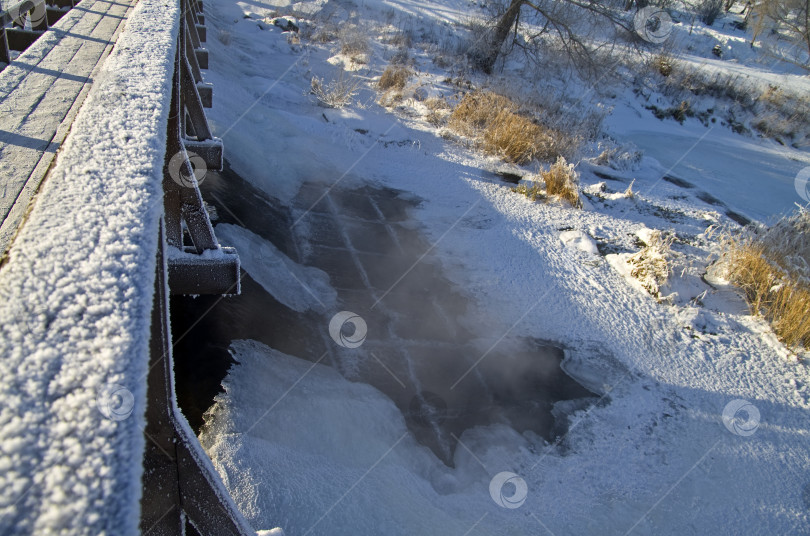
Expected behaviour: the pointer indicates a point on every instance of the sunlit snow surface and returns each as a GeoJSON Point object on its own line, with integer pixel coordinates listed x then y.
{"type": "Point", "coordinates": [302, 448]}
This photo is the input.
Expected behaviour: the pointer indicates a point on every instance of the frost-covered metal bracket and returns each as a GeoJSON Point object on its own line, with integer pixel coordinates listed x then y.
{"type": "Point", "coordinates": [201, 266]}
{"type": "Point", "coordinates": [183, 493]}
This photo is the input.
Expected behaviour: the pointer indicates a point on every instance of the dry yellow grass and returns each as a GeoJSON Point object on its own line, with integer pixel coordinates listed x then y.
{"type": "Point", "coordinates": [394, 77]}
{"type": "Point", "coordinates": [495, 123]}
{"type": "Point", "coordinates": [562, 182]}
{"type": "Point", "coordinates": [772, 267]}
{"type": "Point", "coordinates": [513, 137]}
{"type": "Point", "coordinates": [477, 110]}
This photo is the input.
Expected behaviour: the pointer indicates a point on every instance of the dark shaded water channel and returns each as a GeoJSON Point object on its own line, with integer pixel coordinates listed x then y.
{"type": "Point", "coordinates": [418, 351]}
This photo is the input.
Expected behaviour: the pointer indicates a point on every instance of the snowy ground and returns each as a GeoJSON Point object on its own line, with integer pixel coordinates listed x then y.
{"type": "Point", "coordinates": [303, 448]}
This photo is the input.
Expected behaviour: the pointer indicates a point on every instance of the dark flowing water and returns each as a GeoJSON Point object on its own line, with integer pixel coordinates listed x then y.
{"type": "Point", "coordinates": [436, 368]}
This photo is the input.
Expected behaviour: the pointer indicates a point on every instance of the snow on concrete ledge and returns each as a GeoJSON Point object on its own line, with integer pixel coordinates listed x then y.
{"type": "Point", "coordinates": [75, 302]}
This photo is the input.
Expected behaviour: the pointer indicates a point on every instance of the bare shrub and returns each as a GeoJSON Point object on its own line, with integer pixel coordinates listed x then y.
{"type": "Point", "coordinates": [562, 182]}
{"type": "Point", "coordinates": [401, 57]}
{"type": "Point", "coordinates": [353, 40]}
{"type": "Point", "coordinates": [772, 267]}
{"type": "Point", "coordinates": [774, 96]}
{"type": "Point", "coordinates": [782, 116]}
{"type": "Point", "coordinates": [395, 77]}
{"type": "Point", "coordinates": [709, 10]}
{"type": "Point", "coordinates": [442, 61]}
{"type": "Point", "coordinates": [400, 39]}
{"type": "Point", "coordinates": [476, 110]}
{"type": "Point", "coordinates": [336, 93]}
{"type": "Point", "coordinates": [559, 182]}
{"type": "Point", "coordinates": [572, 122]}
{"type": "Point", "coordinates": [651, 265]}
{"type": "Point", "coordinates": [565, 29]}
{"type": "Point", "coordinates": [476, 45]}
{"type": "Point", "coordinates": [787, 17]}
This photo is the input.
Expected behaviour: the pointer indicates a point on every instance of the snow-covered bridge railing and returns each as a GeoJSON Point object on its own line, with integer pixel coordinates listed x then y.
{"type": "Point", "coordinates": [95, 237]}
